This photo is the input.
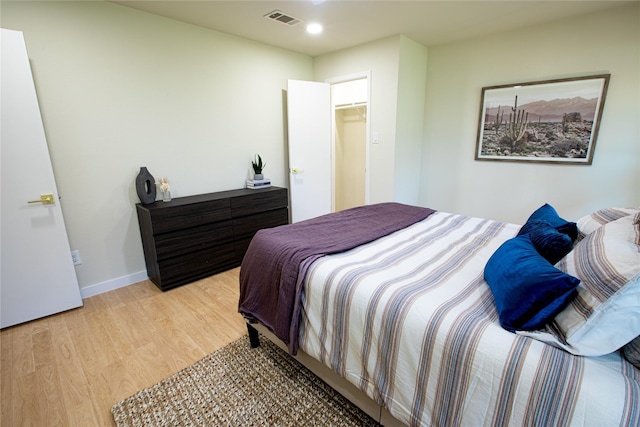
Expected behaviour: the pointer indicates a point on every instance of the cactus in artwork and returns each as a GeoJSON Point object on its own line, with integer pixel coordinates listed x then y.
{"type": "Point", "coordinates": [498, 121]}
{"type": "Point", "coordinates": [518, 120]}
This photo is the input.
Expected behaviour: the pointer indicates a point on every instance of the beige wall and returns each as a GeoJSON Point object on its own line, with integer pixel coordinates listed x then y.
{"type": "Point", "coordinates": [412, 79]}
{"type": "Point", "coordinates": [606, 42]}
{"type": "Point", "coordinates": [120, 89]}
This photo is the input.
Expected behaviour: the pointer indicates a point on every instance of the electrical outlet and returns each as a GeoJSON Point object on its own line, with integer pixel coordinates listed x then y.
{"type": "Point", "coordinates": [75, 255]}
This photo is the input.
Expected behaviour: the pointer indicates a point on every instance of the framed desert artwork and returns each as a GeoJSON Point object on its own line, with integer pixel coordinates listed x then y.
{"type": "Point", "coordinates": [552, 121]}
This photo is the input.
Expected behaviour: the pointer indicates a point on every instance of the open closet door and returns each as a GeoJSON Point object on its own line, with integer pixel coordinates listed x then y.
{"type": "Point", "coordinates": [37, 273]}
{"type": "Point", "coordinates": [309, 122]}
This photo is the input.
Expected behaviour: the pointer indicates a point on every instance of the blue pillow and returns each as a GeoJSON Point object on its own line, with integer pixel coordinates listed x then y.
{"type": "Point", "coordinates": [533, 225]}
{"type": "Point", "coordinates": [548, 241]}
{"type": "Point", "coordinates": [547, 213]}
{"type": "Point", "coordinates": [528, 291]}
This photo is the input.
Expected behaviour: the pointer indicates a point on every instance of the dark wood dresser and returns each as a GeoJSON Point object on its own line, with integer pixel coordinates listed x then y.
{"type": "Point", "coordinates": [193, 237]}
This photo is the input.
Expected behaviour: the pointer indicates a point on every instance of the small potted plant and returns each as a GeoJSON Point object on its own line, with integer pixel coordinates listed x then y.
{"type": "Point", "coordinates": [258, 166]}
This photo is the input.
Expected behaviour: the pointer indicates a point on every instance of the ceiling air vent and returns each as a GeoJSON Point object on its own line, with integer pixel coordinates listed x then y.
{"type": "Point", "coordinates": [276, 15]}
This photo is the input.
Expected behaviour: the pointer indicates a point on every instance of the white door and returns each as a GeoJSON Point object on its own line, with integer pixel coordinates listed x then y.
{"type": "Point", "coordinates": [309, 123]}
{"type": "Point", "coordinates": [37, 276]}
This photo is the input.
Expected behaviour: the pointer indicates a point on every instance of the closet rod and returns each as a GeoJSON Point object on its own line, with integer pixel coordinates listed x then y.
{"type": "Point", "coordinates": [351, 105]}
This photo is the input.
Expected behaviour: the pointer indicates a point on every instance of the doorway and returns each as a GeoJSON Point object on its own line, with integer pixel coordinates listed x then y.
{"type": "Point", "coordinates": [349, 99]}
{"type": "Point", "coordinates": [328, 151]}
{"type": "Point", "coordinates": [350, 158]}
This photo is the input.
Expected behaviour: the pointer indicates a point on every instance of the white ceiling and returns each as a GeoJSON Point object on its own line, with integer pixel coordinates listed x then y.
{"type": "Point", "coordinates": [349, 23]}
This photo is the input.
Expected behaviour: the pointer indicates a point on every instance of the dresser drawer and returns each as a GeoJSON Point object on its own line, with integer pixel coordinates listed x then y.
{"type": "Point", "coordinates": [193, 239]}
{"type": "Point", "coordinates": [187, 268]}
{"type": "Point", "coordinates": [246, 227]}
{"type": "Point", "coordinates": [187, 216]}
{"type": "Point", "coordinates": [259, 201]}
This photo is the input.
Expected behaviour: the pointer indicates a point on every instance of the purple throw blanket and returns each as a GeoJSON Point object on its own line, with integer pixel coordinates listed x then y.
{"type": "Point", "coordinates": [277, 260]}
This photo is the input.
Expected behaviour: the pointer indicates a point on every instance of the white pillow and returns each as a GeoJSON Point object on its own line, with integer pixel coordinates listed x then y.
{"type": "Point", "coordinates": [590, 223]}
{"type": "Point", "coordinates": [605, 315]}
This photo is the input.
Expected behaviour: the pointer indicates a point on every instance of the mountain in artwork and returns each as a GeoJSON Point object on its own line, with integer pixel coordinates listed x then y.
{"type": "Point", "coordinates": [551, 111]}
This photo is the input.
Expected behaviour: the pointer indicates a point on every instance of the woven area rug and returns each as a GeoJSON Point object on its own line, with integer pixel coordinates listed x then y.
{"type": "Point", "coordinates": [241, 386]}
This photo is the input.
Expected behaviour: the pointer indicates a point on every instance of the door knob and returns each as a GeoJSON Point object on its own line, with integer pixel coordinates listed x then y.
{"type": "Point", "coordinates": [296, 171]}
{"type": "Point", "coordinates": [45, 199]}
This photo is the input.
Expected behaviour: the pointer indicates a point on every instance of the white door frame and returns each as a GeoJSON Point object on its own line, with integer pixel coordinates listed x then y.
{"type": "Point", "coordinates": [343, 79]}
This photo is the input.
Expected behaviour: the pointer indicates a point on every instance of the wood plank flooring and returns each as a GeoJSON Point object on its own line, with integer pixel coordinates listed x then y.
{"type": "Point", "coordinates": [70, 368]}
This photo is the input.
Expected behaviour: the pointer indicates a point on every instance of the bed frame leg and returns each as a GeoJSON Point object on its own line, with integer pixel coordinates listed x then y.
{"type": "Point", "coordinates": [254, 338]}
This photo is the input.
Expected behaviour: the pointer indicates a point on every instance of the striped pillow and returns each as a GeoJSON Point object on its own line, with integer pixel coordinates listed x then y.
{"type": "Point", "coordinates": [590, 223]}
{"type": "Point", "coordinates": [606, 313]}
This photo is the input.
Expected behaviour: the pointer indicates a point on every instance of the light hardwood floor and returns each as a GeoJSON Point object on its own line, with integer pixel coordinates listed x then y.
{"type": "Point", "coordinates": [70, 368]}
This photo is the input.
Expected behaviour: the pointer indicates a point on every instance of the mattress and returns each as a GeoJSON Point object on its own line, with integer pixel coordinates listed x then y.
{"type": "Point", "coordinates": [410, 320]}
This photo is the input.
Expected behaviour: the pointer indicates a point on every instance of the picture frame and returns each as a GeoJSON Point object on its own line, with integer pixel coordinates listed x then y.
{"type": "Point", "coordinates": [551, 121]}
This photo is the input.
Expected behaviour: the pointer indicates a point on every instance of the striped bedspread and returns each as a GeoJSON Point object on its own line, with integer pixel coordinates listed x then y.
{"type": "Point", "coordinates": [410, 320]}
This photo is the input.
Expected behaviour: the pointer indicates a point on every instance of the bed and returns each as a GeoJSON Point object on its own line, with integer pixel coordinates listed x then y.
{"type": "Point", "coordinates": [415, 320]}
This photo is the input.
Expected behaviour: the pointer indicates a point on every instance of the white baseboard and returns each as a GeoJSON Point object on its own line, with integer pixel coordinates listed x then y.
{"type": "Point", "coordinates": [110, 285]}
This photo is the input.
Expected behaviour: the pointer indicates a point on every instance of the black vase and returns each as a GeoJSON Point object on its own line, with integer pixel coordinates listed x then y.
{"type": "Point", "coordinates": [146, 186]}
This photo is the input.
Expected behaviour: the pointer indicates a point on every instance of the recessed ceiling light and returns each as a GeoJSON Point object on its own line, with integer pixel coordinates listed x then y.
{"type": "Point", "coordinates": [314, 28]}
